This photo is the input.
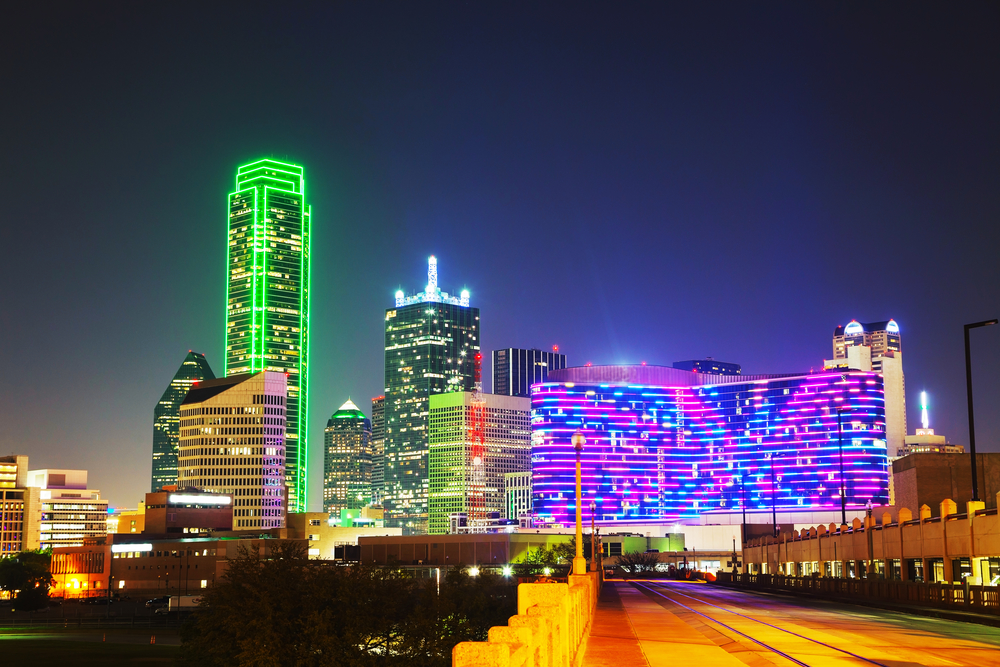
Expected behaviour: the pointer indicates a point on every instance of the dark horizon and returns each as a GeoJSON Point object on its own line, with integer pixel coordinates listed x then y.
{"type": "Point", "coordinates": [638, 182]}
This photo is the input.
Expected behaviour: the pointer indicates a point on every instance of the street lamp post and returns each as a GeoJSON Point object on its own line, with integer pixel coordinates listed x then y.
{"type": "Point", "coordinates": [743, 493]}
{"type": "Point", "coordinates": [593, 537]}
{"type": "Point", "coordinates": [579, 563]}
{"type": "Point", "coordinates": [968, 387]}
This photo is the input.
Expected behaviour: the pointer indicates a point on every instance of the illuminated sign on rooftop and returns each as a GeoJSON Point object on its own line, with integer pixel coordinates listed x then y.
{"type": "Point", "coordinates": [124, 548]}
{"type": "Point", "coordinates": [179, 499]}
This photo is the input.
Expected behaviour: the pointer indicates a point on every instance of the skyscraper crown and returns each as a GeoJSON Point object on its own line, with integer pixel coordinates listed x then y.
{"type": "Point", "coordinates": [432, 293]}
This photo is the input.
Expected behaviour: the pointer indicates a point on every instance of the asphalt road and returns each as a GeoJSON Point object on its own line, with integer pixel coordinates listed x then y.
{"type": "Point", "coordinates": [671, 623]}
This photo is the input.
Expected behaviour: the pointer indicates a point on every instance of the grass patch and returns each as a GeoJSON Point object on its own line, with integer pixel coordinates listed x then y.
{"type": "Point", "coordinates": [31, 651]}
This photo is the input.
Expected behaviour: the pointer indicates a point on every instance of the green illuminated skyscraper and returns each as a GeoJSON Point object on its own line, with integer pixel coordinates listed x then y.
{"type": "Point", "coordinates": [166, 418]}
{"type": "Point", "coordinates": [267, 296]}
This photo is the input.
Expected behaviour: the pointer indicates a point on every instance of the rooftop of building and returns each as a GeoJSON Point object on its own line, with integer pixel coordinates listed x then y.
{"type": "Point", "coordinates": [854, 327]}
{"type": "Point", "coordinates": [346, 411]}
{"type": "Point", "coordinates": [202, 391]}
{"type": "Point", "coordinates": [432, 293]}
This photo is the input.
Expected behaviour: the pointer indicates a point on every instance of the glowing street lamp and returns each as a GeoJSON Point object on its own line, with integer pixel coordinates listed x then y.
{"type": "Point", "coordinates": [579, 563]}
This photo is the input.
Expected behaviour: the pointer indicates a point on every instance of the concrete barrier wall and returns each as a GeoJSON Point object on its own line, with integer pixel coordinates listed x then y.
{"type": "Point", "coordinates": [549, 630]}
{"type": "Point", "coordinates": [974, 535]}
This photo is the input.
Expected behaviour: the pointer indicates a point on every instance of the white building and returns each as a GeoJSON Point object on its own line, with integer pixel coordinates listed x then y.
{"type": "Point", "coordinates": [232, 440]}
{"type": "Point", "coordinates": [517, 494]}
{"type": "Point", "coordinates": [876, 347]}
{"type": "Point", "coordinates": [70, 512]}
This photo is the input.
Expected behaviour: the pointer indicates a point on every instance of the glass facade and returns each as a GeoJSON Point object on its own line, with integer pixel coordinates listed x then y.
{"type": "Point", "coordinates": [267, 296]}
{"type": "Point", "coordinates": [166, 418]}
{"type": "Point", "coordinates": [430, 342]}
{"type": "Point", "coordinates": [347, 460]}
{"type": "Point", "coordinates": [514, 370]}
{"type": "Point", "coordinates": [664, 453]}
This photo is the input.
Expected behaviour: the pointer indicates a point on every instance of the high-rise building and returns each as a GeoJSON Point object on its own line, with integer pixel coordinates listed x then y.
{"type": "Point", "coordinates": [378, 449]}
{"type": "Point", "coordinates": [347, 460]}
{"type": "Point", "coordinates": [166, 439]}
{"type": "Point", "coordinates": [514, 370]}
{"type": "Point", "coordinates": [233, 442]}
{"type": "Point", "coordinates": [267, 296]}
{"type": "Point", "coordinates": [663, 445]}
{"type": "Point", "coordinates": [431, 339]}
{"type": "Point", "coordinates": [20, 507]}
{"type": "Point", "coordinates": [458, 481]}
{"type": "Point", "coordinates": [709, 366]}
{"type": "Point", "coordinates": [71, 513]}
{"type": "Point", "coordinates": [876, 347]}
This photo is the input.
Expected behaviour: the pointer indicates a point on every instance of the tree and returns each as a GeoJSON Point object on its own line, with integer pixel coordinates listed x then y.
{"type": "Point", "coordinates": [287, 610]}
{"type": "Point", "coordinates": [636, 562]}
{"type": "Point", "coordinates": [27, 576]}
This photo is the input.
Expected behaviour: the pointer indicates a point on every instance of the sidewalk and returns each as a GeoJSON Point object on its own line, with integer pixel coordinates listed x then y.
{"type": "Point", "coordinates": [630, 629]}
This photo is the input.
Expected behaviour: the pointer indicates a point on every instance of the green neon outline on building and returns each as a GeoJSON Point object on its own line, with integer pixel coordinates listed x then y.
{"type": "Point", "coordinates": [267, 296]}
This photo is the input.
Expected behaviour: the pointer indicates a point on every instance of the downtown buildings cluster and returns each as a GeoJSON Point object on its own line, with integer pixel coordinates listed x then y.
{"type": "Point", "coordinates": [439, 454]}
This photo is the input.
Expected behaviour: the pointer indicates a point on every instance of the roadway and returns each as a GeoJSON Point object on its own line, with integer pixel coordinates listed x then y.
{"type": "Point", "coordinates": [661, 623]}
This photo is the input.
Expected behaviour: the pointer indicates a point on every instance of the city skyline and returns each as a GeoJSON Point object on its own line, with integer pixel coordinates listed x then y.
{"type": "Point", "coordinates": [648, 185]}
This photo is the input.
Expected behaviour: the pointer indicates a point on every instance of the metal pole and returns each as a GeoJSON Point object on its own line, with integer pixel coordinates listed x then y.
{"type": "Point", "coordinates": [579, 563]}
{"type": "Point", "coordinates": [593, 538]}
{"type": "Point", "coordinates": [843, 487]}
{"type": "Point", "coordinates": [968, 389]}
{"type": "Point", "coordinates": [743, 489]}
{"type": "Point", "coordinates": [774, 500]}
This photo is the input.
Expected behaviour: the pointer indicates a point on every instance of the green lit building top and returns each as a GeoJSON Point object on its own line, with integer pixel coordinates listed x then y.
{"type": "Point", "coordinates": [347, 460]}
{"type": "Point", "coordinates": [431, 339]}
{"type": "Point", "coordinates": [166, 418]}
{"type": "Point", "coordinates": [267, 296]}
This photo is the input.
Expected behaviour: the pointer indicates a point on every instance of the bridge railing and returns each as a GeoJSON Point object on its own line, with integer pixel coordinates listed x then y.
{"type": "Point", "coordinates": [981, 598]}
{"type": "Point", "coordinates": [549, 630]}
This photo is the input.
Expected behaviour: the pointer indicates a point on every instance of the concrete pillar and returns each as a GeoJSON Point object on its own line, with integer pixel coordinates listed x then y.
{"type": "Point", "coordinates": [905, 515]}
{"type": "Point", "coordinates": [975, 562]}
{"type": "Point", "coordinates": [948, 508]}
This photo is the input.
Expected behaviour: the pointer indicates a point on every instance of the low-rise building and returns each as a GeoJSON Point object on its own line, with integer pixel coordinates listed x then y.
{"type": "Point", "coordinates": [327, 538]}
{"type": "Point", "coordinates": [140, 567]}
{"type": "Point", "coordinates": [70, 512]}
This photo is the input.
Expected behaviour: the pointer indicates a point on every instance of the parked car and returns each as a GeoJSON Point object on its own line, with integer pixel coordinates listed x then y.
{"type": "Point", "coordinates": [156, 602]}
{"type": "Point", "coordinates": [162, 610]}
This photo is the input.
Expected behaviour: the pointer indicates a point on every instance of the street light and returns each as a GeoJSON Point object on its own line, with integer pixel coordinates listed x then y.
{"type": "Point", "coordinates": [579, 563]}
{"type": "Point", "coordinates": [774, 498]}
{"type": "Point", "coordinates": [868, 531]}
{"type": "Point", "coordinates": [968, 387]}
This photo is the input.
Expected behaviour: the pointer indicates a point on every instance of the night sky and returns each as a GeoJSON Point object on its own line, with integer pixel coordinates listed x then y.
{"type": "Point", "coordinates": [634, 182]}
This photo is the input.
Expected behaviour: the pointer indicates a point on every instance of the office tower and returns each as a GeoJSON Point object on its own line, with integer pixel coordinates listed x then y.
{"type": "Point", "coordinates": [876, 347]}
{"type": "Point", "coordinates": [709, 366]}
{"type": "Point", "coordinates": [20, 507]}
{"type": "Point", "coordinates": [267, 296]}
{"type": "Point", "coordinates": [166, 440]}
{"type": "Point", "coordinates": [514, 370]}
{"type": "Point", "coordinates": [664, 445]}
{"type": "Point", "coordinates": [71, 513]}
{"type": "Point", "coordinates": [378, 449]}
{"type": "Point", "coordinates": [233, 442]}
{"type": "Point", "coordinates": [459, 482]}
{"type": "Point", "coordinates": [347, 460]}
{"type": "Point", "coordinates": [431, 339]}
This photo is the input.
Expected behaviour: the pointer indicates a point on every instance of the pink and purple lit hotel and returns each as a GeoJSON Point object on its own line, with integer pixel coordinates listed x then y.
{"type": "Point", "coordinates": [667, 445]}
